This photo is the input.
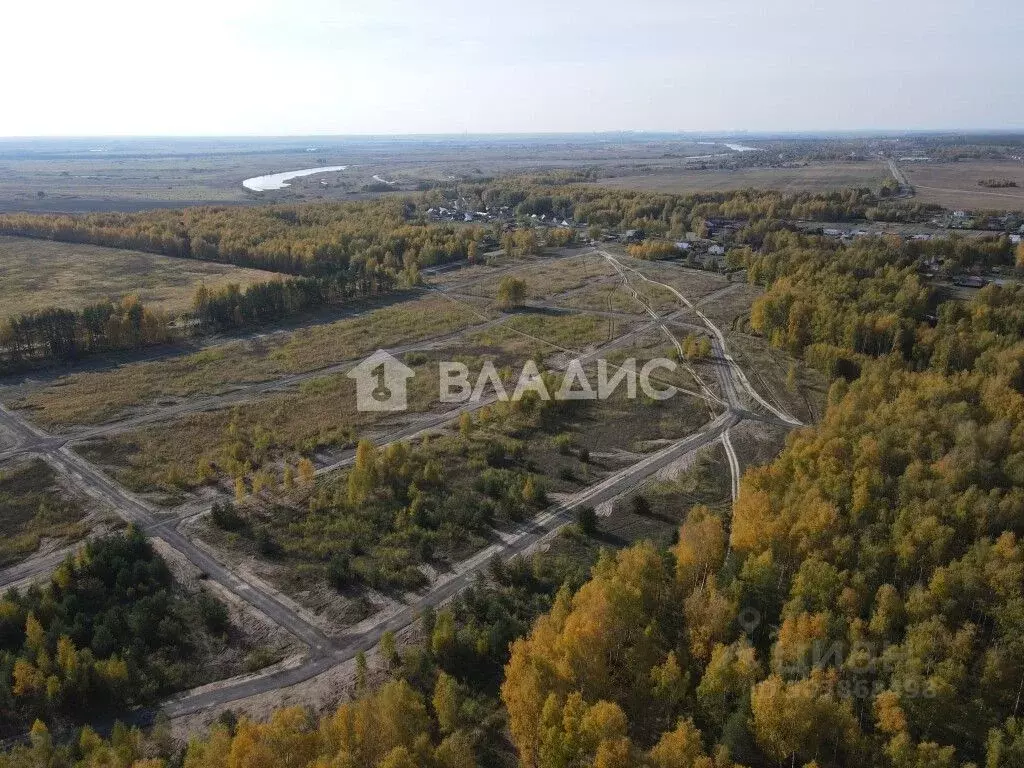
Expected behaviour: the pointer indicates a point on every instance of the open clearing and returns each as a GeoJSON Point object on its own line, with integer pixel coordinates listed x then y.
{"type": "Point", "coordinates": [38, 274]}
{"type": "Point", "coordinates": [94, 397]}
{"type": "Point", "coordinates": [817, 177]}
{"type": "Point", "coordinates": [242, 417]}
{"type": "Point", "coordinates": [955, 185]}
{"type": "Point", "coordinates": [35, 508]}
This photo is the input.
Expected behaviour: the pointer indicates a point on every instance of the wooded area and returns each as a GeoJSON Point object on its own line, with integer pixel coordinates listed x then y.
{"type": "Point", "coordinates": [107, 632]}
{"type": "Point", "coordinates": [358, 249]}
{"type": "Point", "coordinates": [863, 605]}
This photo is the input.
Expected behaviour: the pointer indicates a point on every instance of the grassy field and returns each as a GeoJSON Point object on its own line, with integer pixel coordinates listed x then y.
{"type": "Point", "coordinates": [34, 507]}
{"type": "Point", "coordinates": [539, 334]}
{"type": "Point", "coordinates": [955, 185]}
{"type": "Point", "coordinates": [94, 397]}
{"type": "Point", "coordinates": [37, 274]}
{"type": "Point", "coordinates": [815, 177]}
{"type": "Point", "coordinates": [546, 278]}
{"type": "Point", "coordinates": [389, 541]}
{"type": "Point", "coordinates": [174, 458]}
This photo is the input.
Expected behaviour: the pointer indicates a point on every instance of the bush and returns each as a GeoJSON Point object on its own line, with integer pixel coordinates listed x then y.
{"type": "Point", "coordinates": [641, 506]}
{"type": "Point", "coordinates": [586, 518]}
{"type": "Point", "coordinates": [226, 517]}
{"type": "Point", "coordinates": [339, 572]}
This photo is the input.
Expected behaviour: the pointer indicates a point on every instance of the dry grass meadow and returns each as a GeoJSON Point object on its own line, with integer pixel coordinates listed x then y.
{"type": "Point", "coordinates": [37, 274]}
{"type": "Point", "coordinates": [815, 177]}
{"type": "Point", "coordinates": [955, 185]}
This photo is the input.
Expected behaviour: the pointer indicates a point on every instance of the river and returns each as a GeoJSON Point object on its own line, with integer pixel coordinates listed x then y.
{"type": "Point", "coordinates": [280, 180]}
{"type": "Point", "coordinates": [733, 147]}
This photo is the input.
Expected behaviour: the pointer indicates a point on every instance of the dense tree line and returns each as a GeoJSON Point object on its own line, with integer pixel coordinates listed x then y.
{"type": "Point", "coordinates": [663, 214]}
{"type": "Point", "coordinates": [340, 251]}
{"type": "Point", "coordinates": [362, 248]}
{"type": "Point", "coordinates": [869, 612]}
{"type": "Point", "coordinates": [63, 334]}
{"type": "Point", "coordinates": [321, 238]}
{"type": "Point", "coordinates": [392, 728]}
{"type": "Point", "coordinates": [307, 239]}
{"type": "Point", "coordinates": [232, 307]}
{"type": "Point", "coordinates": [107, 632]}
{"type": "Point", "coordinates": [870, 608]}
{"type": "Point", "coordinates": [441, 708]}
{"type": "Point", "coordinates": [838, 305]}
{"type": "Point", "coordinates": [653, 250]}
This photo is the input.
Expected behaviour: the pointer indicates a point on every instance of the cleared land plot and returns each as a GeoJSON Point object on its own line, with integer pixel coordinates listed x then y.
{"type": "Point", "coordinates": [817, 177]}
{"type": "Point", "coordinates": [543, 278]}
{"type": "Point", "coordinates": [725, 310]}
{"type": "Point", "coordinates": [955, 185]}
{"type": "Point", "coordinates": [95, 397]}
{"type": "Point", "coordinates": [255, 438]}
{"type": "Point", "coordinates": [538, 334]}
{"type": "Point", "coordinates": [694, 284]}
{"type": "Point", "coordinates": [38, 274]}
{"type": "Point", "coordinates": [35, 508]}
{"type": "Point", "coordinates": [780, 379]}
{"type": "Point", "coordinates": [336, 552]}
{"type": "Point", "coordinates": [601, 297]}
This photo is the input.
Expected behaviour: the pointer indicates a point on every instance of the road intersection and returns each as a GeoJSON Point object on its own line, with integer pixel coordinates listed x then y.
{"type": "Point", "coordinates": [323, 650]}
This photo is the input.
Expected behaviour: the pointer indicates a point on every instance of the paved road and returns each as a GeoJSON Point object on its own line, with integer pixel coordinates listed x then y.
{"type": "Point", "coordinates": [527, 536]}
{"type": "Point", "coordinates": [325, 652]}
{"type": "Point", "coordinates": [138, 512]}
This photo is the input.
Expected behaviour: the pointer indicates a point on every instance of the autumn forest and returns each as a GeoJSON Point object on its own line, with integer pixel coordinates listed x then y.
{"type": "Point", "coordinates": [860, 604]}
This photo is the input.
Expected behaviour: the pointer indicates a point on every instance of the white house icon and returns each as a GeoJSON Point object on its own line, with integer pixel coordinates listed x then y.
{"type": "Point", "coordinates": [381, 383]}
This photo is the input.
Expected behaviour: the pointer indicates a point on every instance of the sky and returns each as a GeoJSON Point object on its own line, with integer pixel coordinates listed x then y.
{"type": "Point", "coordinates": [339, 67]}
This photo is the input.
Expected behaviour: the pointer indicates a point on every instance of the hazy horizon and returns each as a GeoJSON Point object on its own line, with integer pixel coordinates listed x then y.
{"type": "Point", "coordinates": [622, 132]}
{"type": "Point", "coordinates": [266, 68]}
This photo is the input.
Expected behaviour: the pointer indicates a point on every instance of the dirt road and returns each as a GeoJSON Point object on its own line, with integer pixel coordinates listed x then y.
{"type": "Point", "coordinates": [324, 652]}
